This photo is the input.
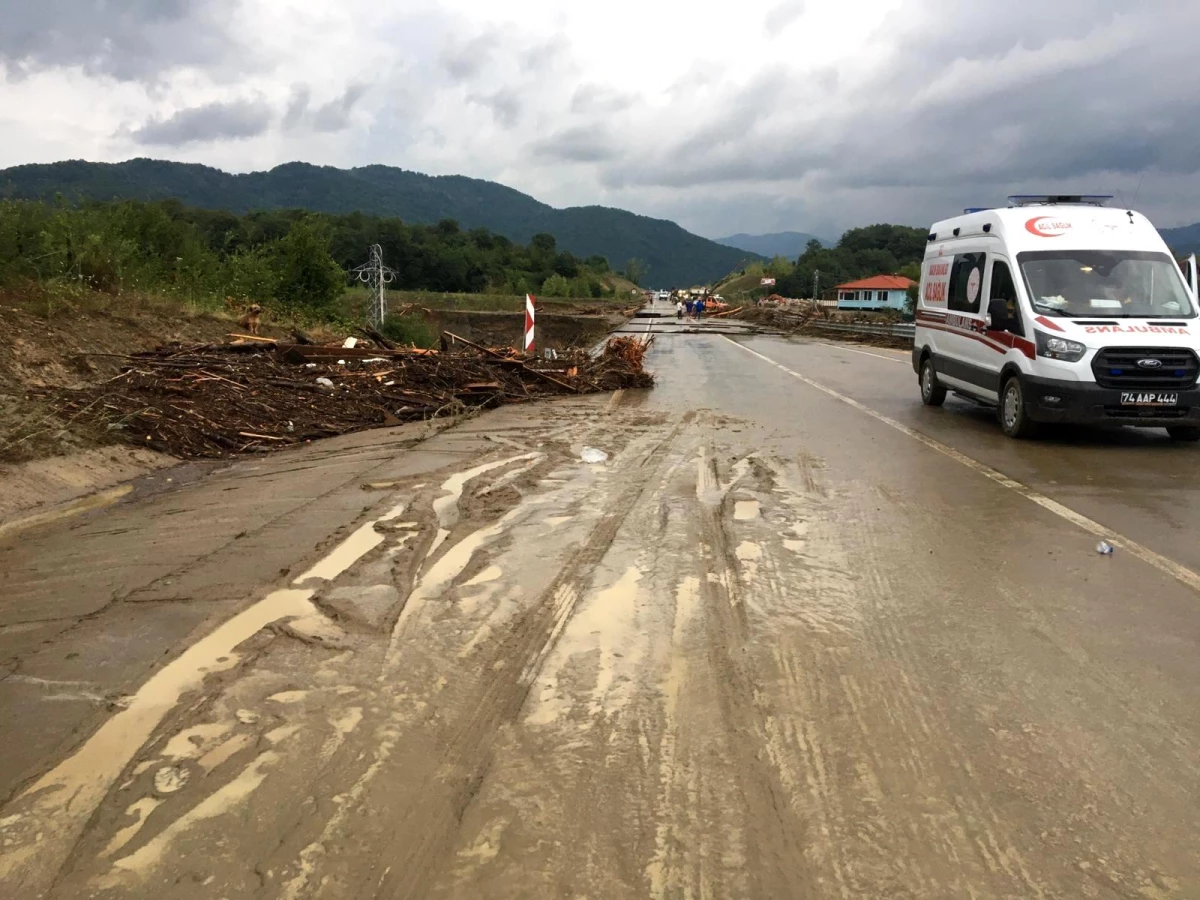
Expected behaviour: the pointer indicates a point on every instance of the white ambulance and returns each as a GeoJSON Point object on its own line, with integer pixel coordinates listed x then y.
{"type": "Point", "coordinates": [1059, 309]}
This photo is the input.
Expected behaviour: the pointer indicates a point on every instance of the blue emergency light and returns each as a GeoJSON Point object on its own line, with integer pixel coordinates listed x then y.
{"type": "Point", "coordinates": [1053, 199]}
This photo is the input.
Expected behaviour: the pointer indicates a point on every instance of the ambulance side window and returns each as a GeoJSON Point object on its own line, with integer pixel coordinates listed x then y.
{"type": "Point", "coordinates": [966, 283]}
{"type": "Point", "coordinates": [1003, 288]}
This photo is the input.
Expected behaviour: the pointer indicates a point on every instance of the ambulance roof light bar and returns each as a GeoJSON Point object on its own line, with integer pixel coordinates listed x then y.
{"type": "Point", "coordinates": [1059, 199]}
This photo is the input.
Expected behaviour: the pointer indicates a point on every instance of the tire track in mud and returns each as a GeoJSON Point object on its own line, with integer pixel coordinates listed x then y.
{"type": "Point", "coordinates": [827, 746]}
{"type": "Point", "coordinates": [789, 851]}
{"type": "Point", "coordinates": [958, 816]}
{"type": "Point", "coordinates": [423, 835]}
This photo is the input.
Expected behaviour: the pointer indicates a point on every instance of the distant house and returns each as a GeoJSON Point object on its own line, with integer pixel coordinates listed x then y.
{"type": "Point", "coordinates": [880, 292]}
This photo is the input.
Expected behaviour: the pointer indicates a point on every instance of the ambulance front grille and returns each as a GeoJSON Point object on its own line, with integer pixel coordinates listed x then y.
{"type": "Point", "coordinates": [1123, 367]}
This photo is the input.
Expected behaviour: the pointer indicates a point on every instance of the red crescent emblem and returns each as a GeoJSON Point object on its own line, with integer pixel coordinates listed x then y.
{"type": "Point", "coordinates": [1032, 227]}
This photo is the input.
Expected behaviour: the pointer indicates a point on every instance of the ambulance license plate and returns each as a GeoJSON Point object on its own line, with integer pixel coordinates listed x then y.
{"type": "Point", "coordinates": [1148, 398]}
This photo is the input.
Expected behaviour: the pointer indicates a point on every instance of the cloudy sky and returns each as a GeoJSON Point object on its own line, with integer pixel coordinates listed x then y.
{"type": "Point", "coordinates": [760, 115]}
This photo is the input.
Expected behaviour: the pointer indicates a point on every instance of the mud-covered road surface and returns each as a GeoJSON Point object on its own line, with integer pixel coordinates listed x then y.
{"type": "Point", "coordinates": [797, 637]}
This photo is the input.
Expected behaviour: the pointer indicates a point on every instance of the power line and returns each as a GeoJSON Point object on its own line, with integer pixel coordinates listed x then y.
{"type": "Point", "coordinates": [377, 277]}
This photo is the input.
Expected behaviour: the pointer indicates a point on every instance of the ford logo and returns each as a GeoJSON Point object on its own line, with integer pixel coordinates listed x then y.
{"type": "Point", "coordinates": [1150, 363]}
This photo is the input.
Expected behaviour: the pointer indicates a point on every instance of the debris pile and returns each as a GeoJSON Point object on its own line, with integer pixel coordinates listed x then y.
{"type": "Point", "coordinates": [219, 400]}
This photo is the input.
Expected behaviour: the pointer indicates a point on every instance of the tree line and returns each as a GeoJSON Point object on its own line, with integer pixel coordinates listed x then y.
{"type": "Point", "coordinates": [860, 253]}
{"type": "Point", "coordinates": [290, 260]}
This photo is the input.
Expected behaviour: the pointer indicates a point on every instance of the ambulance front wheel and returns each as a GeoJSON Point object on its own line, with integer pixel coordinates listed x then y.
{"type": "Point", "coordinates": [932, 393]}
{"type": "Point", "coordinates": [1013, 418]}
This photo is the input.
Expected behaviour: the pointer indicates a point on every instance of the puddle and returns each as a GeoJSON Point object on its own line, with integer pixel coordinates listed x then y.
{"type": "Point", "coordinates": [348, 721]}
{"type": "Point", "coordinates": [142, 810]}
{"type": "Point", "coordinates": [434, 582]}
{"type": "Point", "coordinates": [62, 800]}
{"type": "Point", "coordinates": [140, 862]}
{"type": "Point", "coordinates": [446, 506]}
{"type": "Point", "coordinates": [318, 627]}
{"type": "Point", "coordinates": [748, 551]}
{"type": "Point", "coordinates": [287, 697]}
{"type": "Point", "coordinates": [222, 753]}
{"type": "Point", "coordinates": [344, 555]}
{"type": "Point", "coordinates": [491, 573]}
{"type": "Point", "coordinates": [745, 510]}
{"type": "Point", "coordinates": [191, 743]}
{"type": "Point", "coordinates": [607, 621]}
{"type": "Point", "coordinates": [170, 779]}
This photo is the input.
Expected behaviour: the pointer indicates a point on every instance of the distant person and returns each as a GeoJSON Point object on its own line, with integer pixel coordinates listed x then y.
{"type": "Point", "coordinates": [700, 309]}
{"type": "Point", "coordinates": [690, 307]}
{"type": "Point", "coordinates": [678, 310]}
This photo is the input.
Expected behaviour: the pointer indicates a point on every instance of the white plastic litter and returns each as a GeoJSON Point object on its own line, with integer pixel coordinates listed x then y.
{"type": "Point", "coordinates": [374, 359]}
{"type": "Point", "coordinates": [350, 343]}
{"type": "Point", "coordinates": [310, 365]}
{"type": "Point", "coordinates": [341, 362]}
{"type": "Point", "coordinates": [1104, 548]}
{"type": "Point", "coordinates": [592, 455]}
{"type": "Point", "coordinates": [325, 382]}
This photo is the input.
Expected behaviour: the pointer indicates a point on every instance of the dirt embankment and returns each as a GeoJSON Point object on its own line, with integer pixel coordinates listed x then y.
{"type": "Point", "coordinates": [44, 460]}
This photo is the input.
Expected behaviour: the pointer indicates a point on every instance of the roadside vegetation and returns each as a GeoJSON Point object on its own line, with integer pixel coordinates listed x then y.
{"type": "Point", "coordinates": [297, 265]}
{"type": "Point", "coordinates": [860, 253]}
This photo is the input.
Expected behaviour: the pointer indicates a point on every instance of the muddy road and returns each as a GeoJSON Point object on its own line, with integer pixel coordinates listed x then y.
{"type": "Point", "coordinates": [797, 637]}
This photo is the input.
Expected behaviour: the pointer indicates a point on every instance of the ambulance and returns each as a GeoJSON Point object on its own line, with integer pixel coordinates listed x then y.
{"type": "Point", "coordinates": [1059, 309]}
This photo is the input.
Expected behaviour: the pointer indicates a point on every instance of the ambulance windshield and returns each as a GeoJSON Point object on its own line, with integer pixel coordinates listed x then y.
{"type": "Point", "coordinates": [1106, 284]}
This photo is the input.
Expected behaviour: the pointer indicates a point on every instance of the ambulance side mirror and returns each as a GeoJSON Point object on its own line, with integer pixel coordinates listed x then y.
{"type": "Point", "coordinates": [997, 315]}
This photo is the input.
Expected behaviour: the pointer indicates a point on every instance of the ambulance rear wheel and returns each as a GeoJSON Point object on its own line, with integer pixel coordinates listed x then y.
{"type": "Point", "coordinates": [932, 393]}
{"type": "Point", "coordinates": [1013, 420]}
{"type": "Point", "coordinates": [1187, 434]}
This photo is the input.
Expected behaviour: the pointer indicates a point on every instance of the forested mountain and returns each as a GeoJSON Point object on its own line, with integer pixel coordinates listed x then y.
{"type": "Point", "coordinates": [1183, 240]}
{"type": "Point", "coordinates": [669, 254]}
{"type": "Point", "coordinates": [783, 243]}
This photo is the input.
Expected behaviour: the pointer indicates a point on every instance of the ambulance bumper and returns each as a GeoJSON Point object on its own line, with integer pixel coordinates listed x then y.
{"type": "Point", "coordinates": [1085, 403]}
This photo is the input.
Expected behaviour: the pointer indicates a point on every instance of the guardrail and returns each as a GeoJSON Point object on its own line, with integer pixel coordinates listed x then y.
{"type": "Point", "coordinates": [904, 331]}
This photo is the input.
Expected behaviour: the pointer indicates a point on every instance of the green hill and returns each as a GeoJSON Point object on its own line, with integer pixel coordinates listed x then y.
{"type": "Point", "coordinates": [672, 255]}
{"type": "Point", "coordinates": [783, 243]}
{"type": "Point", "coordinates": [1183, 240]}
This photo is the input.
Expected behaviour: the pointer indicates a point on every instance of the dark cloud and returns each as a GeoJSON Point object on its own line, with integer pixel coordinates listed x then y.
{"type": "Point", "coordinates": [210, 122]}
{"type": "Point", "coordinates": [591, 99]}
{"type": "Point", "coordinates": [969, 102]}
{"type": "Point", "coordinates": [546, 55]}
{"type": "Point", "coordinates": [583, 144]}
{"type": "Point", "coordinates": [327, 118]}
{"type": "Point", "coordinates": [129, 40]}
{"type": "Point", "coordinates": [505, 105]}
{"type": "Point", "coordinates": [465, 60]}
{"type": "Point", "coordinates": [783, 15]}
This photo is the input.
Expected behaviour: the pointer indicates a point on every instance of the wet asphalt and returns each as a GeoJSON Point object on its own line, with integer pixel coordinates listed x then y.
{"type": "Point", "coordinates": [799, 637]}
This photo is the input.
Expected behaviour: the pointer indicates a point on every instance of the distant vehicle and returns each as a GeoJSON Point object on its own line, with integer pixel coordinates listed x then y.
{"type": "Point", "coordinates": [1059, 309]}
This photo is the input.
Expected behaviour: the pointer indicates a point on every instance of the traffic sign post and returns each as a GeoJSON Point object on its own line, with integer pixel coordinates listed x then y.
{"type": "Point", "coordinates": [530, 317]}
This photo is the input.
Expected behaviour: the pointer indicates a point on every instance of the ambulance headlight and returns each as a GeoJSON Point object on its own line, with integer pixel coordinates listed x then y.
{"type": "Point", "coordinates": [1059, 348]}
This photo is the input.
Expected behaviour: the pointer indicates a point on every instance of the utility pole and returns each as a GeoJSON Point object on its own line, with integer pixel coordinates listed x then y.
{"type": "Point", "coordinates": [377, 277]}
{"type": "Point", "coordinates": [816, 286]}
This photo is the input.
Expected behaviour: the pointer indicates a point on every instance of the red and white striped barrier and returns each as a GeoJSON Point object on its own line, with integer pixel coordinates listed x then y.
{"type": "Point", "coordinates": [529, 322]}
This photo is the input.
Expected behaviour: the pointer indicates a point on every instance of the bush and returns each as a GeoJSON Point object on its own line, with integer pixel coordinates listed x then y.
{"type": "Point", "coordinates": [309, 278]}
{"type": "Point", "coordinates": [408, 330]}
{"type": "Point", "coordinates": [556, 286]}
